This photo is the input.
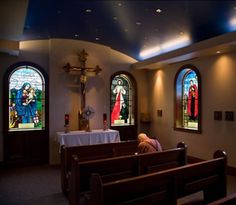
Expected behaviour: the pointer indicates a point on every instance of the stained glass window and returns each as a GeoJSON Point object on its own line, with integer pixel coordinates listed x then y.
{"type": "Point", "coordinates": [26, 99]}
{"type": "Point", "coordinates": [122, 108]}
{"type": "Point", "coordinates": [187, 99]}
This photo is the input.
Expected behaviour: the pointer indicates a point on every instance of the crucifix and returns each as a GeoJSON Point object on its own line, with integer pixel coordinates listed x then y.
{"type": "Point", "coordinates": [84, 72]}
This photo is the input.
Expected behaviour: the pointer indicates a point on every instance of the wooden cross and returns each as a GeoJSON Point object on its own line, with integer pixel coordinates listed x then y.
{"type": "Point", "coordinates": [82, 56]}
{"type": "Point", "coordinates": [82, 71]}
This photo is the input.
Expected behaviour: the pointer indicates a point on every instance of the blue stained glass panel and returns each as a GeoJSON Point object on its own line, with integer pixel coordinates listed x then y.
{"type": "Point", "coordinates": [26, 99]}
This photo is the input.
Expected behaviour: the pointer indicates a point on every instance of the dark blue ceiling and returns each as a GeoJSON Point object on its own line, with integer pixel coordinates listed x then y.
{"type": "Point", "coordinates": [128, 26]}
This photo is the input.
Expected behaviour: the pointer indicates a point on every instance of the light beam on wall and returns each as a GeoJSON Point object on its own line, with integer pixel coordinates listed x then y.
{"type": "Point", "coordinates": [166, 47]}
{"type": "Point", "coordinates": [232, 24]}
{"type": "Point", "coordinates": [150, 52]}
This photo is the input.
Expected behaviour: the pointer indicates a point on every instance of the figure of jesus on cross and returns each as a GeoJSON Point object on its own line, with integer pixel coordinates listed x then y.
{"type": "Point", "coordinates": [83, 72]}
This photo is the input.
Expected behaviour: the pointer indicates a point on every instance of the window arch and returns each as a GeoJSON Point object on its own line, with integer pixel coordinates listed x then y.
{"type": "Point", "coordinates": [123, 105]}
{"type": "Point", "coordinates": [188, 99]}
{"type": "Point", "coordinates": [26, 97]}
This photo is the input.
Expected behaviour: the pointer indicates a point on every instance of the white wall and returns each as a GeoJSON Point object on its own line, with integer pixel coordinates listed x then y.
{"type": "Point", "coordinates": [218, 94]}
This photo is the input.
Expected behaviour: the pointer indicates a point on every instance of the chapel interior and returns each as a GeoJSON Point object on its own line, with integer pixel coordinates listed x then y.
{"type": "Point", "coordinates": [164, 68]}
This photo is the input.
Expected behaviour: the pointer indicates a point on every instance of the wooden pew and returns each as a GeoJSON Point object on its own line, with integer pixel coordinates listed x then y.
{"type": "Point", "coordinates": [121, 167]}
{"type": "Point", "coordinates": [207, 176]}
{"type": "Point", "coordinates": [164, 187]}
{"type": "Point", "coordinates": [92, 152]}
{"type": "Point", "coordinates": [164, 160]}
{"type": "Point", "coordinates": [228, 200]}
{"type": "Point", "coordinates": [141, 190]}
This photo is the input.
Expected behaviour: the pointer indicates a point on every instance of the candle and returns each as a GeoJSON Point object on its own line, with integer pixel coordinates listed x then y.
{"type": "Point", "coordinates": [104, 121]}
{"type": "Point", "coordinates": [104, 117]}
{"type": "Point", "coordinates": [66, 119]}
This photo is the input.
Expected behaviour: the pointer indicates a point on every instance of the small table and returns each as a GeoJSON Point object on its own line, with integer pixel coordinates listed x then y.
{"type": "Point", "coordinates": [75, 138]}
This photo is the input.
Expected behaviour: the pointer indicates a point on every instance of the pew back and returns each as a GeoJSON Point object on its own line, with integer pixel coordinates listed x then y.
{"type": "Point", "coordinates": [132, 192]}
{"type": "Point", "coordinates": [110, 169]}
{"type": "Point", "coordinates": [208, 176]}
{"type": "Point", "coordinates": [162, 160]}
{"type": "Point", "coordinates": [228, 200]}
{"type": "Point", "coordinates": [97, 151]}
{"type": "Point", "coordinates": [121, 167]}
{"type": "Point", "coordinates": [92, 152]}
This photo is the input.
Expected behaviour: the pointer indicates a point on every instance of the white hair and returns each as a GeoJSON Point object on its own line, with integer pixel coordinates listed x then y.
{"type": "Point", "coordinates": [142, 137]}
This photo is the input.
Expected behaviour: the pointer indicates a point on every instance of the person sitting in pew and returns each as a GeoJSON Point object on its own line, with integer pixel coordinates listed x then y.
{"type": "Point", "coordinates": [147, 145]}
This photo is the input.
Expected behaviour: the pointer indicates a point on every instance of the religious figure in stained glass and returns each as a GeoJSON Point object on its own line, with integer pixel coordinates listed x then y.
{"type": "Point", "coordinates": [26, 105]}
{"type": "Point", "coordinates": [124, 112]}
{"type": "Point", "coordinates": [187, 99]}
{"type": "Point", "coordinates": [192, 101]}
{"type": "Point", "coordinates": [26, 99]}
{"type": "Point", "coordinates": [120, 96]}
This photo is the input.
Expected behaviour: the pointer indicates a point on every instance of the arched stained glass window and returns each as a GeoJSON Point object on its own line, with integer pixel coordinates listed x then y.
{"type": "Point", "coordinates": [26, 99]}
{"type": "Point", "coordinates": [188, 99]}
{"type": "Point", "coordinates": [122, 105]}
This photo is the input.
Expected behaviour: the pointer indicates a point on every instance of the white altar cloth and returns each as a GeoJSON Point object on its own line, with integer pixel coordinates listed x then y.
{"type": "Point", "coordinates": [75, 138]}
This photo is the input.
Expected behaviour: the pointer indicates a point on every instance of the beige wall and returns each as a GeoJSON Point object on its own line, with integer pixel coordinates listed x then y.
{"type": "Point", "coordinates": [155, 91]}
{"type": "Point", "coordinates": [98, 88]}
{"type": "Point", "coordinates": [34, 51]}
{"type": "Point", "coordinates": [64, 94]}
{"type": "Point", "coordinates": [218, 93]}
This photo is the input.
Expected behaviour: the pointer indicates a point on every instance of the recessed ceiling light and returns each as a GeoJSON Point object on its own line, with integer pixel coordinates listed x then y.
{"type": "Point", "coordinates": [88, 10]}
{"type": "Point", "coordinates": [119, 4]}
{"type": "Point", "coordinates": [77, 35]}
{"type": "Point", "coordinates": [115, 18]}
{"type": "Point", "coordinates": [97, 39]}
{"type": "Point", "coordinates": [217, 52]}
{"type": "Point", "coordinates": [158, 10]}
{"type": "Point", "coordinates": [138, 23]}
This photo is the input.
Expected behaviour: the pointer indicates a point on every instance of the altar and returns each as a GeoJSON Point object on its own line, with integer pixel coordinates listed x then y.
{"type": "Point", "coordinates": [81, 137]}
